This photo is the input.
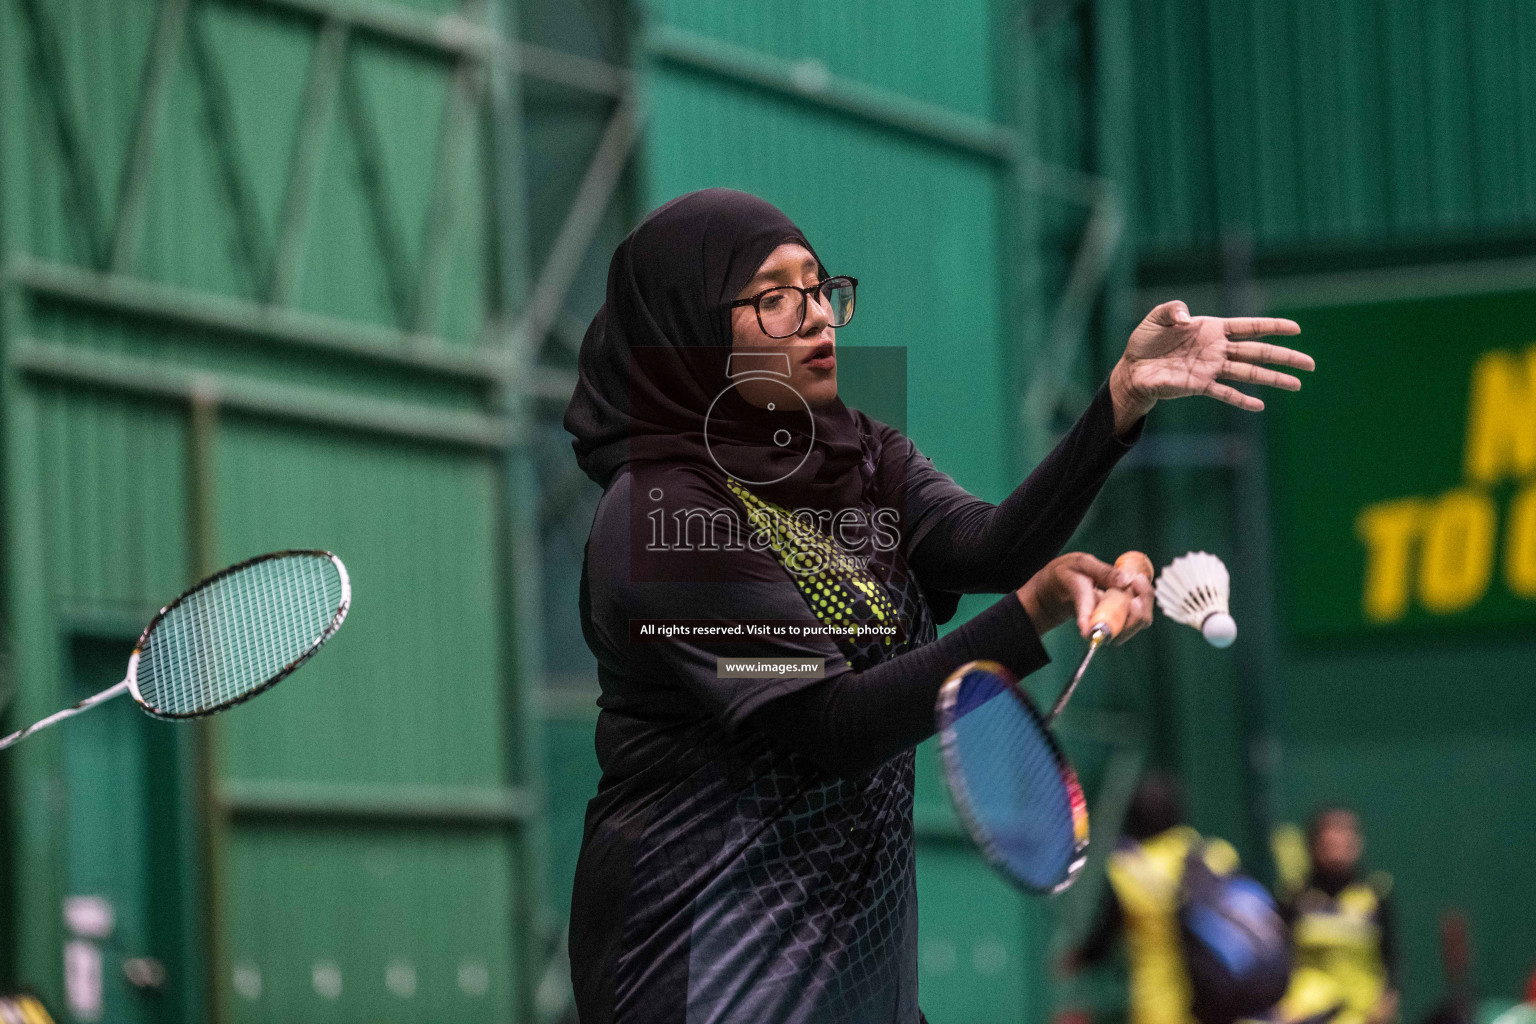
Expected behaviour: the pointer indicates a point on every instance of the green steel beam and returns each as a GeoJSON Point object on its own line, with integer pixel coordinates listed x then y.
{"type": "Point", "coordinates": [1350, 287]}
{"type": "Point", "coordinates": [447, 36]}
{"type": "Point", "coordinates": [331, 803]}
{"type": "Point", "coordinates": [1102, 265]}
{"type": "Point", "coordinates": [1190, 450]}
{"type": "Point", "coordinates": [218, 114]}
{"type": "Point", "coordinates": [14, 223]}
{"type": "Point", "coordinates": [133, 191]}
{"type": "Point", "coordinates": [521, 585]}
{"type": "Point", "coordinates": [1053, 374]}
{"type": "Point", "coordinates": [1022, 206]}
{"type": "Point", "coordinates": [560, 497]}
{"type": "Point", "coordinates": [84, 202]}
{"type": "Point", "coordinates": [581, 224]}
{"type": "Point", "coordinates": [456, 37]}
{"type": "Point", "coordinates": [212, 824]}
{"type": "Point", "coordinates": [811, 82]}
{"type": "Point", "coordinates": [325, 71]}
{"type": "Point", "coordinates": [254, 397]}
{"type": "Point", "coordinates": [103, 622]}
{"type": "Point", "coordinates": [1114, 83]}
{"type": "Point", "coordinates": [371, 172]}
{"type": "Point", "coordinates": [573, 72]}
{"type": "Point", "coordinates": [120, 295]}
{"type": "Point", "coordinates": [33, 893]}
{"type": "Point", "coordinates": [212, 855]}
{"type": "Point", "coordinates": [450, 183]}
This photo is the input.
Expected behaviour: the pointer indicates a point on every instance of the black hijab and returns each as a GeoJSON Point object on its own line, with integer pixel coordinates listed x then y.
{"type": "Point", "coordinates": [656, 358]}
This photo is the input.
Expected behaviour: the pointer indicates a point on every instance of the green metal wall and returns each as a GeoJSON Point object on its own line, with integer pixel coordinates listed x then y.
{"type": "Point", "coordinates": [1306, 145]}
{"type": "Point", "coordinates": [250, 301]}
{"type": "Point", "coordinates": [1319, 124]}
{"type": "Point", "coordinates": [919, 223]}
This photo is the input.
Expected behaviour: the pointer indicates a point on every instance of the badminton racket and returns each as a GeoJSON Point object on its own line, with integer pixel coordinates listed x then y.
{"type": "Point", "coordinates": [1015, 791]}
{"type": "Point", "coordinates": [230, 637]}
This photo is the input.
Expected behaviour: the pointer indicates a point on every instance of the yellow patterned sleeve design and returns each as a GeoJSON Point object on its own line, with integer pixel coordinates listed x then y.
{"type": "Point", "coordinates": [837, 585]}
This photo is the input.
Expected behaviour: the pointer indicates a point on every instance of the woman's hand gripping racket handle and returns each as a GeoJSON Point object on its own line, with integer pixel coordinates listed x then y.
{"type": "Point", "coordinates": [1107, 620]}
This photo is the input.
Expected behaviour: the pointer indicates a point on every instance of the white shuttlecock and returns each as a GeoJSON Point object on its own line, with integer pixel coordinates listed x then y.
{"type": "Point", "coordinates": [1193, 590]}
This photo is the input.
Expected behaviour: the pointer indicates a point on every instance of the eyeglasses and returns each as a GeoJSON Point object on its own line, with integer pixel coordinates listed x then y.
{"type": "Point", "coordinates": [781, 310]}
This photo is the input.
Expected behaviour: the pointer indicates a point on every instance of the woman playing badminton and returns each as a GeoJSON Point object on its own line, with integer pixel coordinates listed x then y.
{"type": "Point", "coordinates": [749, 854]}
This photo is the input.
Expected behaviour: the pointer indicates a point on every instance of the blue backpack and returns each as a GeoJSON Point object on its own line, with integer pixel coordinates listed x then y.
{"type": "Point", "coordinates": [1237, 948]}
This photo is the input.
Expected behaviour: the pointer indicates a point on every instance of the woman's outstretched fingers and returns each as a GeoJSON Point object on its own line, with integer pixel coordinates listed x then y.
{"type": "Point", "coordinates": [1264, 352]}
{"type": "Point", "coordinates": [1259, 326]}
{"type": "Point", "coordinates": [1259, 375]}
{"type": "Point", "coordinates": [1232, 396]}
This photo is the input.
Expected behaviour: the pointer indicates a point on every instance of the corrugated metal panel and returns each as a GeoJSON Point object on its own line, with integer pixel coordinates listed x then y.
{"type": "Point", "coordinates": [151, 341]}
{"type": "Point", "coordinates": [1318, 123]}
{"type": "Point", "coordinates": [193, 343]}
{"type": "Point", "coordinates": [408, 693]}
{"type": "Point", "coordinates": [432, 909]}
{"type": "Point", "coordinates": [238, 82]}
{"type": "Point", "coordinates": [924, 49]}
{"type": "Point", "coordinates": [251, 97]}
{"type": "Point", "coordinates": [916, 224]}
{"type": "Point", "coordinates": [114, 486]}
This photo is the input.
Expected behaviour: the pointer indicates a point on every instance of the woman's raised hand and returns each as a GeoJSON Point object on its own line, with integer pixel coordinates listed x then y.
{"type": "Point", "coordinates": [1172, 355]}
{"type": "Point", "coordinates": [1070, 586]}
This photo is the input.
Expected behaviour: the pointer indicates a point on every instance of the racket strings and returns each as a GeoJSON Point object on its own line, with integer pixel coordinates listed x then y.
{"type": "Point", "coordinates": [1018, 793]}
{"type": "Point", "coordinates": [239, 632]}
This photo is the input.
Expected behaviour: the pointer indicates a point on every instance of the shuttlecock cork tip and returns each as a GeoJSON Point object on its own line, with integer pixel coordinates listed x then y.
{"type": "Point", "coordinates": [1219, 630]}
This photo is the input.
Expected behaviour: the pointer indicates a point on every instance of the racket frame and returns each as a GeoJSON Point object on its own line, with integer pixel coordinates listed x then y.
{"type": "Point", "coordinates": [954, 775]}
{"type": "Point", "coordinates": [336, 620]}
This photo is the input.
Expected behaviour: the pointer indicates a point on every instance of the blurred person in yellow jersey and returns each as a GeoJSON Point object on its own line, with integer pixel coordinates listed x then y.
{"type": "Point", "coordinates": [1342, 930]}
{"type": "Point", "coordinates": [1146, 872]}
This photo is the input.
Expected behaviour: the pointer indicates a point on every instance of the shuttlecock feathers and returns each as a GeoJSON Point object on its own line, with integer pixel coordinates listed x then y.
{"type": "Point", "coordinates": [1193, 590]}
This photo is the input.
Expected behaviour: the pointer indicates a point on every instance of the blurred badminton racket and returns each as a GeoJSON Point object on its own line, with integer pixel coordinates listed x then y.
{"type": "Point", "coordinates": [1015, 791]}
{"type": "Point", "coordinates": [229, 638]}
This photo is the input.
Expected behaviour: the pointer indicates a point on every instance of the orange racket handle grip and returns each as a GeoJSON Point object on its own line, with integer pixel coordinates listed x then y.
{"type": "Point", "coordinates": [1111, 612]}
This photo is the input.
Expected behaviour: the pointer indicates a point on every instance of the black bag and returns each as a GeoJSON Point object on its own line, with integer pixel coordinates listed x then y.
{"type": "Point", "coordinates": [1237, 948]}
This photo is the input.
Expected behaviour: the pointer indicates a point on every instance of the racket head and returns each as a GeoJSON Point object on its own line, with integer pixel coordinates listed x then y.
{"type": "Point", "coordinates": [1015, 791]}
{"type": "Point", "coordinates": [238, 633]}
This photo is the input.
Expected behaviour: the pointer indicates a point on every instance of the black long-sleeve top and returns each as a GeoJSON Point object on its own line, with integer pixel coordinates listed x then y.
{"type": "Point", "coordinates": [962, 544]}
